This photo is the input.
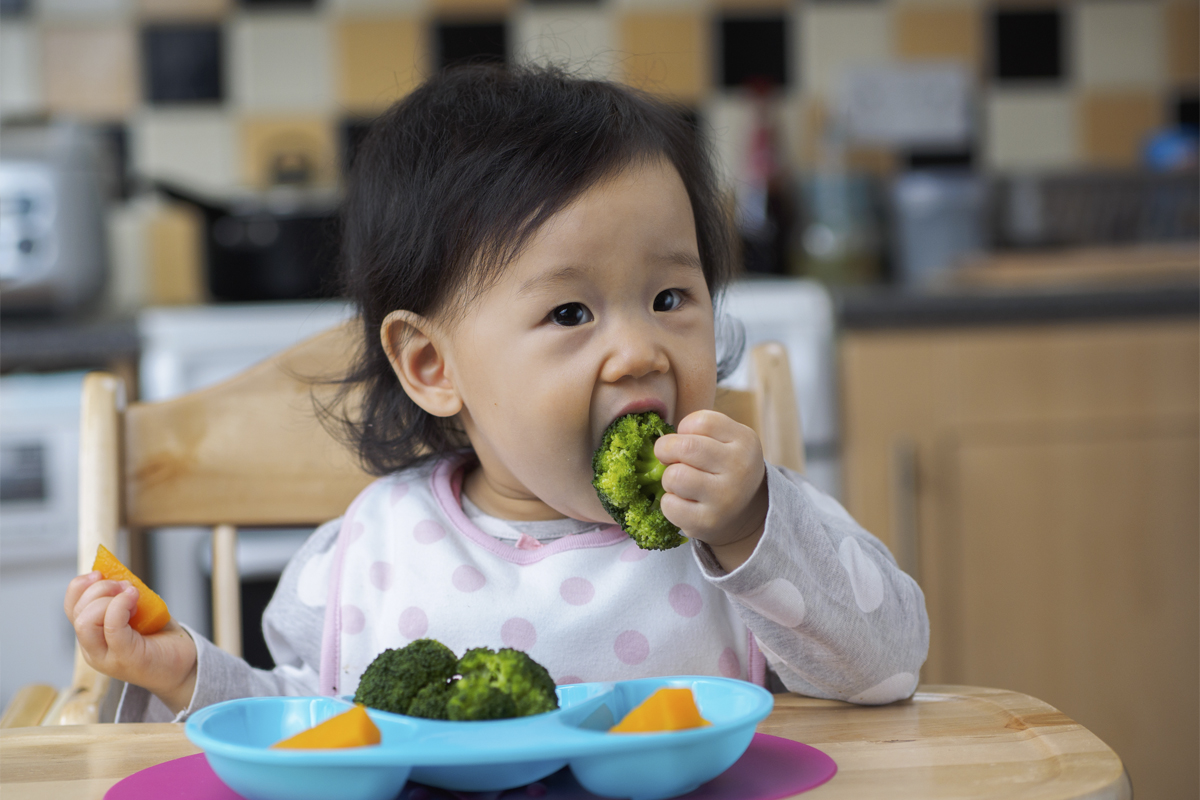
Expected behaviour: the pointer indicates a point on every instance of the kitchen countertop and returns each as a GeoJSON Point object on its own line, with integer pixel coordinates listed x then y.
{"type": "Point", "coordinates": [945, 742]}
{"type": "Point", "coordinates": [42, 345]}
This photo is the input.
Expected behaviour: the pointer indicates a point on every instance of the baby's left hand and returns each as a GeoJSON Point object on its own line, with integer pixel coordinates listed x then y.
{"type": "Point", "coordinates": [715, 482]}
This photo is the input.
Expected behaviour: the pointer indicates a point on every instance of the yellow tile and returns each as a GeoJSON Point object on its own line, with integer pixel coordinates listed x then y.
{"type": "Point", "coordinates": [1183, 42]}
{"type": "Point", "coordinates": [90, 71]}
{"type": "Point", "coordinates": [1113, 125]}
{"type": "Point", "coordinates": [380, 61]}
{"type": "Point", "coordinates": [273, 144]}
{"type": "Point", "coordinates": [666, 53]}
{"type": "Point", "coordinates": [183, 9]}
{"type": "Point", "coordinates": [174, 248]}
{"type": "Point", "coordinates": [939, 32]}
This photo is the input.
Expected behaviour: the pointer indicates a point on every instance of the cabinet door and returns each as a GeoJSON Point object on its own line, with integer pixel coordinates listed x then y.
{"type": "Point", "coordinates": [1073, 578]}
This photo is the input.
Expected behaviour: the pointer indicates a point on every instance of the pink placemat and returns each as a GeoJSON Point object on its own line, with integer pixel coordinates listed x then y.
{"type": "Point", "coordinates": [771, 768]}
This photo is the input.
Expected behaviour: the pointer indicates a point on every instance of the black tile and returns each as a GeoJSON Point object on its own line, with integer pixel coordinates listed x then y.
{"type": "Point", "coordinates": [1187, 111]}
{"type": "Point", "coordinates": [956, 158]}
{"type": "Point", "coordinates": [1027, 44]}
{"type": "Point", "coordinates": [182, 63]}
{"type": "Point", "coordinates": [753, 50]}
{"type": "Point", "coordinates": [473, 42]}
{"type": "Point", "coordinates": [14, 8]}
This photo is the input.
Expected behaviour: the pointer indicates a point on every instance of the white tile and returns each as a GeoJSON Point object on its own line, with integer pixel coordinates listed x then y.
{"type": "Point", "coordinates": [83, 9]}
{"type": "Point", "coordinates": [397, 7]}
{"type": "Point", "coordinates": [730, 122]}
{"type": "Point", "coordinates": [581, 40]}
{"type": "Point", "coordinates": [281, 62]}
{"type": "Point", "coordinates": [20, 68]}
{"type": "Point", "coordinates": [197, 148]}
{"type": "Point", "coordinates": [657, 5]}
{"type": "Point", "coordinates": [1031, 129]}
{"type": "Point", "coordinates": [1119, 44]}
{"type": "Point", "coordinates": [835, 37]}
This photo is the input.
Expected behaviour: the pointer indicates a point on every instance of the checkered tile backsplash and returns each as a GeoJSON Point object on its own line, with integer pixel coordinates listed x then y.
{"type": "Point", "coordinates": [210, 92]}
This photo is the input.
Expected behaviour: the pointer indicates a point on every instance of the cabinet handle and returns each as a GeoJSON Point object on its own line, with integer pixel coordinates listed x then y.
{"type": "Point", "coordinates": [904, 506]}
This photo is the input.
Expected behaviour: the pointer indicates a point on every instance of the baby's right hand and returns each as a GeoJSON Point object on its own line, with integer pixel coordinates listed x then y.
{"type": "Point", "coordinates": [163, 662]}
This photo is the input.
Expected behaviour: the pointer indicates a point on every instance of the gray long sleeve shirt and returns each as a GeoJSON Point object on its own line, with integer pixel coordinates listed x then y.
{"type": "Point", "coordinates": [827, 605]}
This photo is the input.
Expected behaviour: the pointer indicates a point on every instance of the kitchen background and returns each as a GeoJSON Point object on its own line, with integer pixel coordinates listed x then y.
{"type": "Point", "coordinates": [973, 223]}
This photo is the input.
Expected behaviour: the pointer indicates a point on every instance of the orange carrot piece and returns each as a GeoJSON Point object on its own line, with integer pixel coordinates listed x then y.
{"type": "Point", "coordinates": [351, 728]}
{"type": "Point", "coordinates": [151, 613]}
{"type": "Point", "coordinates": [665, 710]}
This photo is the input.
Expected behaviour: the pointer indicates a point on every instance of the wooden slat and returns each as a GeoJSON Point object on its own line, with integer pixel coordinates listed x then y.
{"type": "Point", "coordinates": [226, 591]}
{"type": "Point", "coordinates": [248, 451]}
{"type": "Point", "coordinates": [28, 706]}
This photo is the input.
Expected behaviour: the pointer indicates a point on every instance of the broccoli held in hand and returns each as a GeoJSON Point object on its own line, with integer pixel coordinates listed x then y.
{"type": "Point", "coordinates": [396, 677]}
{"type": "Point", "coordinates": [425, 679]}
{"type": "Point", "coordinates": [628, 480]}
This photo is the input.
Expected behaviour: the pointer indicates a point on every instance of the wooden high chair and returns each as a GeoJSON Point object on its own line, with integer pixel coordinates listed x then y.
{"type": "Point", "coordinates": [251, 452]}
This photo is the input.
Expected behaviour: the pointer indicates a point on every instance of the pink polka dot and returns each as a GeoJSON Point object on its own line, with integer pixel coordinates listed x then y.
{"type": "Point", "coordinates": [353, 620]}
{"type": "Point", "coordinates": [565, 679]}
{"type": "Point", "coordinates": [428, 532]}
{"type": "Point", "coordinates": [631, 647]}
{"type": "Point", "coordinates": [381, 575]}
{"type": "Point", "coordinates": [468, 579]}
{"type": "Point", "coordinates": [413, 623]}
{"type": "Point", "coordinates": [398, 493]}
{"type": "Point", "coordinates": [357, 529]}
{"type": "Point", "coordinates": [728, 664]}
{"type": "Point", "coordinates": [685, 599]}
{"type": "Point", "coordinates": [577, 591]}
{"type": "Point", "coordinates": [633, 553]}
{"type": "Point", "coordinates": [518, 633]}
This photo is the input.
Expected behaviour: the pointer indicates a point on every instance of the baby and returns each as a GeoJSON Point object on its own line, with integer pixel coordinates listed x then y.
{"type": "Point", "coordinates": [533, 256]}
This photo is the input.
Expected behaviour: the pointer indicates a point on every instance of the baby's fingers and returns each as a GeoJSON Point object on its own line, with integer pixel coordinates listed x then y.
{"type": "Point", "coordinates": [121, 638]}
{"type": "Point", "coordinates": [75, 590]}
{"type": "Point", "coordinates": [101, 588]}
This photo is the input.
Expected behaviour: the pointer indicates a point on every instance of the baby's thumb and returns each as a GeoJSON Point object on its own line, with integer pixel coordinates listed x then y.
{"type": "Point", "coordinates": [121, 638]}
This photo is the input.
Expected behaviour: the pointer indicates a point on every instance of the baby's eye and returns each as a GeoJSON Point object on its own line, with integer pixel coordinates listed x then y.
{"type": "Point", "coordinates": [569, 315]}
{"type": "Point", "coordinates": [668, 300]}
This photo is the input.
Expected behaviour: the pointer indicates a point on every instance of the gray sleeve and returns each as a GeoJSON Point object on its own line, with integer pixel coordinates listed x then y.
{"type": "Point", "coordinates": [833, 614]}
{"type": "Point", "coordinates": [292, 631]}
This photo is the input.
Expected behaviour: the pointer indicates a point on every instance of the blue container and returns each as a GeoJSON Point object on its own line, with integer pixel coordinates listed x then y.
{"type": "Point", "coordinates": [483, 756]}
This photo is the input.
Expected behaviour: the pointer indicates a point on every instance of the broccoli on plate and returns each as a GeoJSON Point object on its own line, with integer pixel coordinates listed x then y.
{"type": "Point", "coordinates": [628, 480]}
{"type": "Point", "coordinates": [396, 676]}
{"type": "Point", "coordinates": [425, 679]}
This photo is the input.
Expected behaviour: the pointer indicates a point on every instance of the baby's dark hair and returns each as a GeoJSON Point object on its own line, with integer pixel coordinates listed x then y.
{"type": "Point", "coordinates": [450, 184]}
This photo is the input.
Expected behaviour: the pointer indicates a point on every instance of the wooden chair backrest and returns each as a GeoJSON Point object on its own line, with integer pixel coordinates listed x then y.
{"type": "Point", "coordinates": [251, 451]}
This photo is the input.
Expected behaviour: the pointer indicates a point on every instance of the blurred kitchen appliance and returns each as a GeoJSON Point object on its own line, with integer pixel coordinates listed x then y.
{"type": "Point", "coordinates": [281, 244]}
{"type": "Point", "coordinates": [938, 218]}
{"type": "Point", "coordinates": [39, 518]}
{"type": "Point", "coordinates": [53, 248]}
{"type": "Point", "coordinates": [798, 313]}
{"type": "Point", "coordinates": [188, 348]}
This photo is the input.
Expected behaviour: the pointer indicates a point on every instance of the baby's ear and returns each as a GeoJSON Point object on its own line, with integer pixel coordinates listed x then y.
{"type": "Point", "coordinates": [415, 348]}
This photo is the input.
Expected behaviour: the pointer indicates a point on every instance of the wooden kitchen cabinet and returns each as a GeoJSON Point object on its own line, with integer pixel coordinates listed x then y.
{"type": "Point", "coordinates": [1042, 483]}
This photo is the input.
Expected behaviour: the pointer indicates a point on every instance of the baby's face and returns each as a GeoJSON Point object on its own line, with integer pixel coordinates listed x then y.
{"type": "Point", "coordinates": [606, 312]}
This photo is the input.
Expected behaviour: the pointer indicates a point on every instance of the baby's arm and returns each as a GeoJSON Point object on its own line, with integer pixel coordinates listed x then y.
{"type": "Point", "coordinates": [292, 629]}
{"type": "Point", "coordinates": [832, 612]}
{"type": "Point", "coordinates": [163, 662]}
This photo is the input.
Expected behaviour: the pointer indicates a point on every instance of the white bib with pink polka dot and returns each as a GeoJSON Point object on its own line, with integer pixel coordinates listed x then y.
{"type": "Point", "coordinates": [589, 607]}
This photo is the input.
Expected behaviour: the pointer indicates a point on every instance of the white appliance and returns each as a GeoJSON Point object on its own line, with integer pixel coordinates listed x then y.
{"type": "Point", "coordinates": [189, 348]}
{"type": "Point", "coordinates": [800, 314]}
{"type": "Point", "coordinates": [39, 516]}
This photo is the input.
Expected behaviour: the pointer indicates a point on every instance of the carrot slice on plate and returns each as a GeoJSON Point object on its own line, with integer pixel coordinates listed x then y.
{"type": "Point", "coordinates": [665, 710]}
{"type": "Point", "coordinates": [151, 613]}
{"type": "Point", "coordinates": [351, 728]}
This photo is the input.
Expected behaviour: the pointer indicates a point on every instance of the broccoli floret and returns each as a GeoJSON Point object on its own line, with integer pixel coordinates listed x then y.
{"type": "Point", "coordinates": [628, 480]}
{"type": "Point", "coordinates": [396, 677]}
{"type": "Point", "coordinates": [430, 702]}
{"type": "Point", "coordinates": [500, 684]}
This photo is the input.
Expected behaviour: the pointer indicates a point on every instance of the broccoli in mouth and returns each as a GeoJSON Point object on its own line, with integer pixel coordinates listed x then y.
{"type": "Point", "coordinates": [425, 679]}
{"type": "Point", "coordinates": [628, 480]}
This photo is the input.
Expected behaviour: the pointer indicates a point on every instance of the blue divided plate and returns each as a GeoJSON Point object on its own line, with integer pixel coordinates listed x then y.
{"type": "Point", "coordinates": [483, 756]}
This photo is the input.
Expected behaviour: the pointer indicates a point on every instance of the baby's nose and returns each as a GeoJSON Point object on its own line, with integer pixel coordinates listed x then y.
{"type": "Point", "coordinates": [635, 353]}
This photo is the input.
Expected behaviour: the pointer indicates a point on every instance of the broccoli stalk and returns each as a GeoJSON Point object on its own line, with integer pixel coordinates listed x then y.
{"type": "Point", "coordinates": [628, 480]}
